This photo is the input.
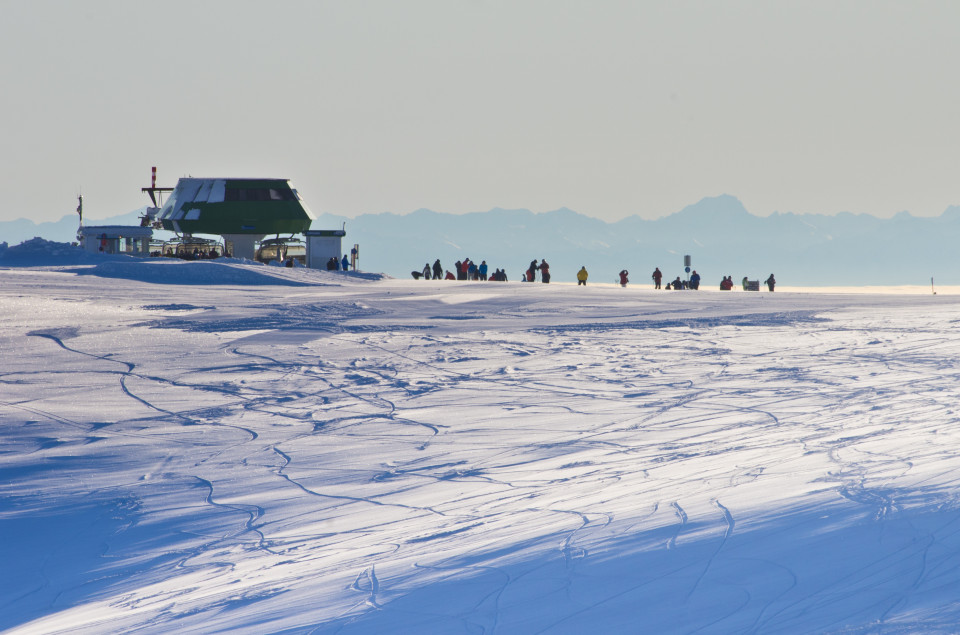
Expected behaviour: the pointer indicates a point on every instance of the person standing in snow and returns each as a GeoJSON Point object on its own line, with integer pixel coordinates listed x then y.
{"type": "Point", "coordinates": [770, 282]}
{"type": "Point", "coordinates": [623, 277]}
{"type": "Point", "coordinates": [695, 280]}
{"type": "Point", "coordinates": [657, 277]}
{"type": "Point", "coordinates": [345, 263]}
{"type": "Point", "coordinates": [582, 276]}
{"type": "Point", "coordinates": [482, 270]}
{"type": "Point", "coordinates": [437, 270]}
{"type": "Point", "coordinates": [532, 271]}
{"type": "Point", "coordinates": [544, 271]}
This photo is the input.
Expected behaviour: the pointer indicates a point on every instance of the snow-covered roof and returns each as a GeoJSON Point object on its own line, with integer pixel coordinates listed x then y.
{"type": "Point", "coordinates": [235, 206]}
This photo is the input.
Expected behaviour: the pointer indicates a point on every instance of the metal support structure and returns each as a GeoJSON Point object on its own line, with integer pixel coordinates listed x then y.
{"type": "Point", "coordinates": [154, 191]}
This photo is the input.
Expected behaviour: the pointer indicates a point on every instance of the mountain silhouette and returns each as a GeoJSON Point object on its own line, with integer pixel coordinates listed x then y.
{"type": "Point", "coordinates": [719, 234]}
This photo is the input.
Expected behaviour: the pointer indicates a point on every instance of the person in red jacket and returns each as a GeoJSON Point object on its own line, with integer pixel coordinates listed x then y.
{"type": "Point", "coordinates": [623, 277]}
{"type": "Point", "coordinates": [544, 271]}
{"type": "Point", "coordinates": [657, 277]}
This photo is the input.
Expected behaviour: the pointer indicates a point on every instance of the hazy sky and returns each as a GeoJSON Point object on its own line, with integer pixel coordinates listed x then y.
{"type": "Point", "coordinates": [609, 108]}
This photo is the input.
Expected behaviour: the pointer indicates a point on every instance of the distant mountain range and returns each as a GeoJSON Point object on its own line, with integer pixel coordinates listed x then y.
{"type": "Point", "coordinates": [719, 234]}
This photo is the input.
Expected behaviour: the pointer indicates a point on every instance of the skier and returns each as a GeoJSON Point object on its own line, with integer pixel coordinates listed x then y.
{"type": "Point", "coordinates": [623, 277]}
{"type": "Point", "coordinates": [770, 282]}
{"type": "Point", "coordinates": [582, 276]}
{"type": "Point", "coordinates": [657, 276]}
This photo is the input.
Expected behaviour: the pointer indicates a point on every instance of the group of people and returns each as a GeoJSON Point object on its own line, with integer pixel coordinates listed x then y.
{"type": "Point", "coordinates": [338, 265]}
{"type": "Point", "coordinates": [530, 275]}
{"type": "Point", "coordinates": [727, 283]}
{"type": "Point", "coordinates": [187, 254]}
{"type": "Point", "coordinates": [466, 270]}
{"type": "Point", "coordinates": [692, 284]}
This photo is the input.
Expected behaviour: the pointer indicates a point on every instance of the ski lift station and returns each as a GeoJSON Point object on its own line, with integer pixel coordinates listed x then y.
{"type": "Point", "coordinates": [242, 211]}
{"type": "Point", "coordinates": [250, 215]}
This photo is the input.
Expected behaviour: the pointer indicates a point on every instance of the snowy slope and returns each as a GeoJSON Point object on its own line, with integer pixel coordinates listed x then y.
{"type": "Point", "coordinates": [250, 449]}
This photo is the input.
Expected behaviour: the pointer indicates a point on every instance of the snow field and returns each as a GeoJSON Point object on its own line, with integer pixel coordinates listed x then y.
{"type": "Point", "coordinates": [322, 454]}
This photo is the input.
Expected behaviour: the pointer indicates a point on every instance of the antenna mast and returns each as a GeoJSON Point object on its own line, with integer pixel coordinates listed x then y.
{"type": "Point", "coordinates": [153, 190]}
{"type": "Point", "coordinates": [156, 197]}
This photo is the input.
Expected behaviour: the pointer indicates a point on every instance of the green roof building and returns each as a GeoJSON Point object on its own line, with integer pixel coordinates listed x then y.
{"type": "Point", "coordinates": [243, 211]}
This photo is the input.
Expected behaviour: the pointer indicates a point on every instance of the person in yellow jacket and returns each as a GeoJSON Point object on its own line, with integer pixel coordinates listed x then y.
{"type": "Point", "coordinates": [582, 276]}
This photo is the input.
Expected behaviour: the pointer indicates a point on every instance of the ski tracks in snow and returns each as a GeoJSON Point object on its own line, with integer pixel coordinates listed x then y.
{"type": "Point", "coordinates": [387, 462]}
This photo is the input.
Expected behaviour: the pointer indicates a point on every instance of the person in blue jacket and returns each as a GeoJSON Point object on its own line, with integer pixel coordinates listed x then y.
{"type": "Point", "coordinates": [695, 280]}
{"type": "Point", "coordinates": [345, 263]}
